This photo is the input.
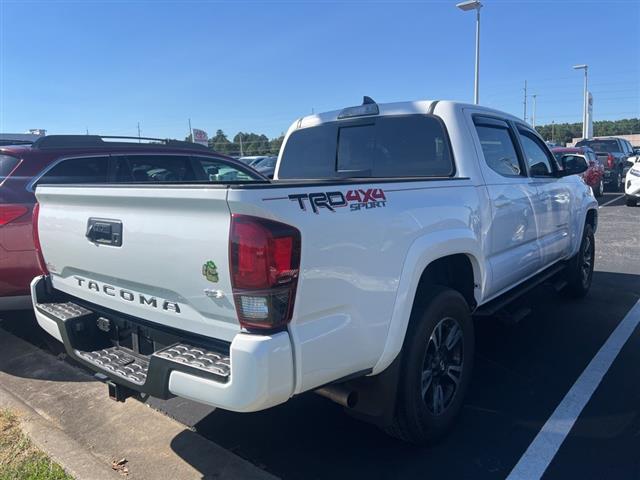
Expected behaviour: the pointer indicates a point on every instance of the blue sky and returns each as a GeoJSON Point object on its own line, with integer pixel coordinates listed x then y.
{"type": "Point", "coordinates": [257, 65]}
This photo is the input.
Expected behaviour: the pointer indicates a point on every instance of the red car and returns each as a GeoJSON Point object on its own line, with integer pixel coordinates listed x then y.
{"type": "Point", "coordinates": [594, 176]}
{"type": "Point", "coordinates": [86, 159]}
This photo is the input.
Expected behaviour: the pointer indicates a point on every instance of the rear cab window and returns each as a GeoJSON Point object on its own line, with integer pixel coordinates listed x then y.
{"type": "Point", "coordinates": [603, 146]}
{"type": "Point", "coordinates": [381, 147]}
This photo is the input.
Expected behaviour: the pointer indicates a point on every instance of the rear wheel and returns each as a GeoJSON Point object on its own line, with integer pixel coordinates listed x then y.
{"type": "Point", "coordinates": [580, 267]}
{"type": "Point", "coordinates": [436, 367]}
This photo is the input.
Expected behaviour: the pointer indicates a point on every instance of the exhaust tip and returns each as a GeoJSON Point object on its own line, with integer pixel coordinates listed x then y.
{"type": "Point", "coordinates": [340, 395]}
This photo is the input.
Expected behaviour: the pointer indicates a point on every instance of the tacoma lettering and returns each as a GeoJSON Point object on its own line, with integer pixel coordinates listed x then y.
{"type": "Point", "coordinates": [128, 295]}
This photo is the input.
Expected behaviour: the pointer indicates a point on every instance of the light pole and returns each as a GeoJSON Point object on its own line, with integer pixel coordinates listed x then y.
{"type": "Point", "coordinates": [465, 7]}
{"type": "Point", "coordinates": [533, 116]}
{"type": "Point", "coordinates": [585, 101]}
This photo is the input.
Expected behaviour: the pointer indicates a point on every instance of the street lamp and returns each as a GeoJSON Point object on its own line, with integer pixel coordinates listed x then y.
{"type": "Point", "coordinates": [465, 7]}
{"type": "Point", "coordinates": [586, 100]}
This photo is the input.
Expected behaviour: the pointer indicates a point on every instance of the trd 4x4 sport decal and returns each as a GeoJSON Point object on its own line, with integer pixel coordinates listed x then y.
{"type": "Point", "coordinates": [355, 199]}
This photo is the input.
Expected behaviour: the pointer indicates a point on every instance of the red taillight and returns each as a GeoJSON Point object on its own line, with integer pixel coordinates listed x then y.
{"type": "Point", "coordinates": [610, 161]}
{"type": "Point", "coordinates": [265, 261]}
{"type": "Point", "coordinates": [36, 239]}
{"type": "Point", "coordinates": [11, 212]}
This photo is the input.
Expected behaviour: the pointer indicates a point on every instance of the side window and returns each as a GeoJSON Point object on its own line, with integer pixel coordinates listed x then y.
{"type": "Point", "coordinates": [539, 163]}
{"type": "Point", "coordinates": [77, 170]}
{"type": "Point", "coordinates": [154, 168]}
{"type": "Point", "coordinates": [499, 150]}
{"type": "Point", "coordinates": [7, 164]}
{"type": "Point", "coordinates": [221, 172]}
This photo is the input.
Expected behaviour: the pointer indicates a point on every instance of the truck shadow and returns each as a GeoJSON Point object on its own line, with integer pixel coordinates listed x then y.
{"type": "Point", "coordinates": [25, 347]}
{"type": "Point", "coordinates": [521, 373]}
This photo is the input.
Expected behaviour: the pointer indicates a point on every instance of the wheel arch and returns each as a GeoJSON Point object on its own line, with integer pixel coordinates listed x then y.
{"type": "Point", "coordinates": [434, 258]}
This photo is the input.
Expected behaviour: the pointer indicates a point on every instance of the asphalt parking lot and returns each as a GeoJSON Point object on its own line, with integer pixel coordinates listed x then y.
{"type": "Point", "coordinates": [523, 373]}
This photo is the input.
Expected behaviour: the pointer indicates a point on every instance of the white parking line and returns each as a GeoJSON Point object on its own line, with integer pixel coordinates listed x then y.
{"type": "Point", "coordinates": [544, 447]}
{"type": "Point", "coordinates": [611, 201]}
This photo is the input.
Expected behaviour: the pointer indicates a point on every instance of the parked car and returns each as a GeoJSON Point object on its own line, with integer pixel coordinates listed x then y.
{"type": "Point", "coordinates": [632, 183]}
{"type": "Point", "coordinates": [253, 160]}
{"type": "Point", "coordinates": [267, 166]}
{"type": "Point", "coordinates": [594, 176]}
{"type": "Point", "coordinates": [67, 159]}
{"type": "Point", "coordinates": [613, 152]}
{"type": "Point", "coordinates": [354, 274]}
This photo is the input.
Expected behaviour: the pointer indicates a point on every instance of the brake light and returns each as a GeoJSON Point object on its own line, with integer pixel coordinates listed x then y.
{"type": "Point", "coordinates": [11, 212]}
{"type": "Point", "coordinates": [36, 239]}
{"type": "Point", "coordinates": [610, 161]}
{"type": "Point", "coordinates": [265, 262]}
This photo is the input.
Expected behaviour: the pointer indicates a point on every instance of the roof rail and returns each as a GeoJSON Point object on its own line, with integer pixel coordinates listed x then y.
{"type": "Point", "coordinates": [97, 141]}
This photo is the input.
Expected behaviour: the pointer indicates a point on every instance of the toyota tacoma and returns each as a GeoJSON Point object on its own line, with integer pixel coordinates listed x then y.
{"type": "Point", "coordinates": [355, 273]}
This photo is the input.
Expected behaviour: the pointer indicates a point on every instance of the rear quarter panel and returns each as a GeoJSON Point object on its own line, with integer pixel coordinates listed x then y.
{"type": "Point", "coordinates": [356, 265]}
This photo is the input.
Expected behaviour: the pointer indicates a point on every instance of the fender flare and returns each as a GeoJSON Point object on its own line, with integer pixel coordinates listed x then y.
{"type": "Point", "coordinates": [581, 219]}
{"type": "Point", "coordinates": [422, 252]}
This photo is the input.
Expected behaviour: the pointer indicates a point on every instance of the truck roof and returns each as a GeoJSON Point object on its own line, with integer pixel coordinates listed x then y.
{"type": "Point", "coordinates": [400, 108]}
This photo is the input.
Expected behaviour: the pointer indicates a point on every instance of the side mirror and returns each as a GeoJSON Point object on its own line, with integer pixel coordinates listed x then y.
{"type": "Point", "coordinates": [573, 165]}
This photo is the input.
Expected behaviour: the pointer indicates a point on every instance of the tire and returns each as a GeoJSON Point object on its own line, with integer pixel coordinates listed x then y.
{"type": "Point", "coordinates": [619, 185]}
{"type": "Point", "coordinates": [428, 403]}
{"type": "Point", "coordinates": [615, 182]}
{"type": "Point", "coordinates": [599, 189]}
{"type": "Point", "coordinates": [580, 268]}
{"type": "Point", "coordinates": [631, 202]}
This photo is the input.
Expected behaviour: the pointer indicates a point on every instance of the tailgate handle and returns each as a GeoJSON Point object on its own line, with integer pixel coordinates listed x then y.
{"type": "Point", "coordinates": [105, 232]}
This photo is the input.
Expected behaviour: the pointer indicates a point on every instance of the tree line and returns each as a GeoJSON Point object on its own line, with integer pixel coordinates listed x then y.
{"type": "Point", "coordinates": [249, 144]}
{"type": "Point", "coordinates": [244, 144]}
{"type": "Point", "coordinates": [563, 133]}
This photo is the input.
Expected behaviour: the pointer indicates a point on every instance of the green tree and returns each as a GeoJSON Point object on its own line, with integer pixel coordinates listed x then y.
{"type": "Point", "coordinates": [275, 144]}
{"type": "Point", "coordinates": [220, 143]}
{"type": "Point", "coordinates": [564, 133]}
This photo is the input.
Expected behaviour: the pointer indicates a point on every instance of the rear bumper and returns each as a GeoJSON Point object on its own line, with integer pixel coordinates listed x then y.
{"type": "Point", "coordinates": [254, 372]}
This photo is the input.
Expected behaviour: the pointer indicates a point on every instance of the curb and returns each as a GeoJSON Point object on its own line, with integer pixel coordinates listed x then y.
{"type": "Point", "coordinates": [68, 415]}
{"type": "Point", "coordinates": [60, 447]}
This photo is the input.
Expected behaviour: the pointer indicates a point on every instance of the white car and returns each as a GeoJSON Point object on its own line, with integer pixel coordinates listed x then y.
{"type": "Point", "coordinates": [632, 183]}
{"type": "Point", "coordinates": [354, 274]}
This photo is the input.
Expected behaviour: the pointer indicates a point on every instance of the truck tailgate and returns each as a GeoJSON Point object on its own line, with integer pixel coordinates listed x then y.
{"type": "Point", "coordinates": [169, 266]}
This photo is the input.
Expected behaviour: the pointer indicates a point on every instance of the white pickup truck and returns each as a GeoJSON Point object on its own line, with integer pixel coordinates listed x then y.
{"type": "Point", "coordinates": [354, 274]}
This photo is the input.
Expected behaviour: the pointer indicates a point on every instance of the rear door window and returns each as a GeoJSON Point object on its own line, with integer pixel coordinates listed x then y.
{"type": "Point", "coordinates": [77, 170]}
{"type": "Point", "coordinates": [177, 168]}
{"type": "Point", "coordinates": [154, 168]}
{"type": "Point", "coordinates": [384, 147]}
{"type": "Point", "coordinates": [499, 150]}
